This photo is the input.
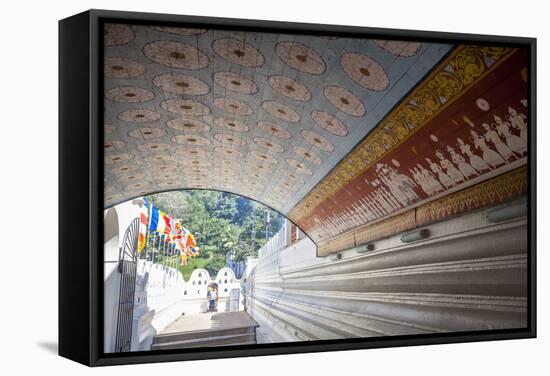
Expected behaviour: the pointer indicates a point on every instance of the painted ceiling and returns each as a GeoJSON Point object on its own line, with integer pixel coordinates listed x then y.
{"type": "Point", "coordinates": [335, 133]}
{"type": "Point", "coordinates": [263, 115]}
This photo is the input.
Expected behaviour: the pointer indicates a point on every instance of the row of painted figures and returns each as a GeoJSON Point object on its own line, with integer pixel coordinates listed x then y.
{"type": "Point", "coordinates": [497, 146]}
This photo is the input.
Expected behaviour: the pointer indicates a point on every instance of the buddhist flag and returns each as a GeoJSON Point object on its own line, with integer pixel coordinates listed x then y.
{"type": "Point", "coordinates": [143, 218]}
{"type": "Point", "coordinates": [190, 243]}
{"type": "Point", "coordinates": [154, 219]}
{"type": "Point", "coordinates": [161, 223]}
{"type": "Point", "coordinates": [167, 224]}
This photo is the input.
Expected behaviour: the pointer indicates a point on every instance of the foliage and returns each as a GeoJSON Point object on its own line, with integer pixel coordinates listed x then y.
{"type": "Point", "coordinates": [221, 222]}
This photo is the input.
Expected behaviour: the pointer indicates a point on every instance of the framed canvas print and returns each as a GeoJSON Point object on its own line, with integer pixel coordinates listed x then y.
{"type": "Point", "coordinates": [236, 187]}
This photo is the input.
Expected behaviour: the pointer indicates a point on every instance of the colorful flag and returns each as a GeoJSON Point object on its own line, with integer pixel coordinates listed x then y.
{"type": "Point", "coordinates": [167, 224]}
{"type": "Point", "coordinates": [154, 219]}
{"type": "Point", "coordinates": [143, 218]}
{"type": "Point", "coordinates": [161, 223]}
{"type": "Point", "coordinates": [190, 243]}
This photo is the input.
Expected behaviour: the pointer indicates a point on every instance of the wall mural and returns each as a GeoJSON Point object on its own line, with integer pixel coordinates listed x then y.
{"type": "Point", "coordinates": [479, 136]}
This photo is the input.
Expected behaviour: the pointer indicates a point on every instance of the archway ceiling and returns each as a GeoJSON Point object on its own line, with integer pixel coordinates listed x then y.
{"type": "Point", "coordinates": [263, 115]}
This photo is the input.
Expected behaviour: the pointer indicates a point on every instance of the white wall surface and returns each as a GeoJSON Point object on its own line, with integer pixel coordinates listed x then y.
{"type": "Point", "coordinates": [29, 165]}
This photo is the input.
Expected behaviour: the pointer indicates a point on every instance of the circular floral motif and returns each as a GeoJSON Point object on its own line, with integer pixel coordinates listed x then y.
{"type": "Point", "coordinates": [167, 176]}
{"type": "Point", "coordinates": [117, 158]}
{"type": "Point", "coordinates": [255, 176]}
{"type": "Point", "coordinates": [229, 139]}
{"type": "Point", "coordinates": [168, 168]}
{"type": "Point", "coordinates": [329, 123]}
{"type": "Point", "coordinates": [399, 48]}
{"type": "Point", "coordinates": [365, 71]}
{"type": "Point", "coordinates": [138, 188]}
{"type": "Point", "coordinates": [117, 67]}
{"type": "Point", "coordinates": [153, 147]}
{"type": "Point", "coordinates": [110, 145]}
{"type": "Point", "coordinates": [185, 31]}
{"type": "Point", "coordinates": [127, 178]}
{"type": "Point", "coordinates": [274, 129]}
{"type": "Point", "coordinates": [265, 157]}
{"type": "Point", "coordinates": [301, 58]}
{"type": "Point", "coordinates": [308, 155]}
{"type": "Point", "coordinates": [232, 106]}
{"type": "Point", "coordinates": [159, 158]}
{"type": "Point", "coordinates": [238, 52]}
{"type": "Point", "coordinates": [291, 177]}
{"type": "Point", "coordinates": [344, 100]}
{"type": "Point", "coordinates": [147, 133]}
{"type": "Point", "coordinates": [281, 111]}
{"type": "Point", "coordinates": [228, 151]}
{"type": "Point", "coordinates": [189, 139]}
{"type": "Point", "coordinates": [124, 169]}
{"type": "Point", "coordinates": [139, 116]}
{"type": "Point", "coordinates": [300, 167]}
{"type": "Point", "coordinates": [176, 55]}
{"type": "Point", "coordinates": [257, 166]}
{"type": "Point", "coordinates": [231, 124]}
{"type": "Point", "coordinates": [268, 144]}
{"type": "Point", "coordinates": [290, 88]}
{"type": "Point", "coordinates": [181, 84]}
{"type": "Point", "coordinates": [188, 125]}
{"type": "Point", "coordinates": [117, 34]}
{"type": "Point", "coordinates": [235, 82]}
{"type": "Point", "coordinates": [129, 94]}
{"type": "Point", "coordinates": [196, 153]}
{"type": "Point", "coordinates": [166, 184]}
{"type": "Point", "coordinates": [108, 128]}
{"type": "Point", "coordinates": [290, 186]}
{"type": "Point", "coordinates": [228, 162]}
{"type": "Point", "coordinates": [198, 163]}
{"type": "Point", "coordinates": [185, 107]}
{"type": "Point", "coordinates": [317, 140]}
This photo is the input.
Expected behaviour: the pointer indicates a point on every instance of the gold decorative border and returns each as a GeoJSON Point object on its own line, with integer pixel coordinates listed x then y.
{"type": "Point", "coordinates": [500, 189]}
{"type": "Point", "coordinates": [503, 188]}
{"type": "Point", "coordinates": [461, 70]}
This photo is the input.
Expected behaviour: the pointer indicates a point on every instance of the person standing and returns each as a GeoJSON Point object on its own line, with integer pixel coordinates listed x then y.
{"type": "Point", "coordinates": [213, 300]}
{"type": "Point", "coordinates": [208, 298]}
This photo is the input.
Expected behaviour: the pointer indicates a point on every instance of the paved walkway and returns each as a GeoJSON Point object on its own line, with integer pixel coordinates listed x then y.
{"type": "Point", "coordinates": [210, 321]}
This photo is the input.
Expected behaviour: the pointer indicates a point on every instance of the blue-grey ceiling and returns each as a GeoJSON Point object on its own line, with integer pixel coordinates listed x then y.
{"type": "Point", "coordinates": [263, 115]}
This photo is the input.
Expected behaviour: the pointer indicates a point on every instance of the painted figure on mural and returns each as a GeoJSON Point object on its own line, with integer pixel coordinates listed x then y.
{"type": "Point", "coordinates": [492, 136]}
{"type": "Point", "coordinates": [467, 170]}
{"type": "Point", "coordinates": [517, 144]}
{"type": "Point", "coordinates": [426, 180]}
{"type": "Point", "coordinates": [452, 172]}
{"type": "Point", "coordinates": [475, 160]}
{"type": "Point", "coordinates": [441, 176]}
{"type": "Point", "coordinates": [400, 185]}
{"type": "Point", "coordinates": [490, 156]}
{"type": "Point", "coordinates": [518, 122]}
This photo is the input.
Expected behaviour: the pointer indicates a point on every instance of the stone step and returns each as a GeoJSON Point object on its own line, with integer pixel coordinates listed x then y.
{"type": "Point", "coordinates": [200, 334]}
{"type": "Point", "coordinates": [218, 340]}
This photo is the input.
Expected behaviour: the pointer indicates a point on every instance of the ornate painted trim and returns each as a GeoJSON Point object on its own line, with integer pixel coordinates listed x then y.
{"type": "Point", "coordinates": [500, 189]}
{"type": "Point", "coordinates": [460, 71]}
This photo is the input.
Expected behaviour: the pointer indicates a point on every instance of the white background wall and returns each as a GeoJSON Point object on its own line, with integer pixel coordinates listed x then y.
{"type": "Point", "coordinates": [28, 315]}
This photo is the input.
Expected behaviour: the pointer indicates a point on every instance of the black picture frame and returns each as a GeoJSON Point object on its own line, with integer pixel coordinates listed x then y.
{"type": "Point", "coordinates": [81, 181]}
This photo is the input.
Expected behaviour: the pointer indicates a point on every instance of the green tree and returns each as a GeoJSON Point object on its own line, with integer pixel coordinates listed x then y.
{"type": "Point", "coordinates": [221, 222]}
